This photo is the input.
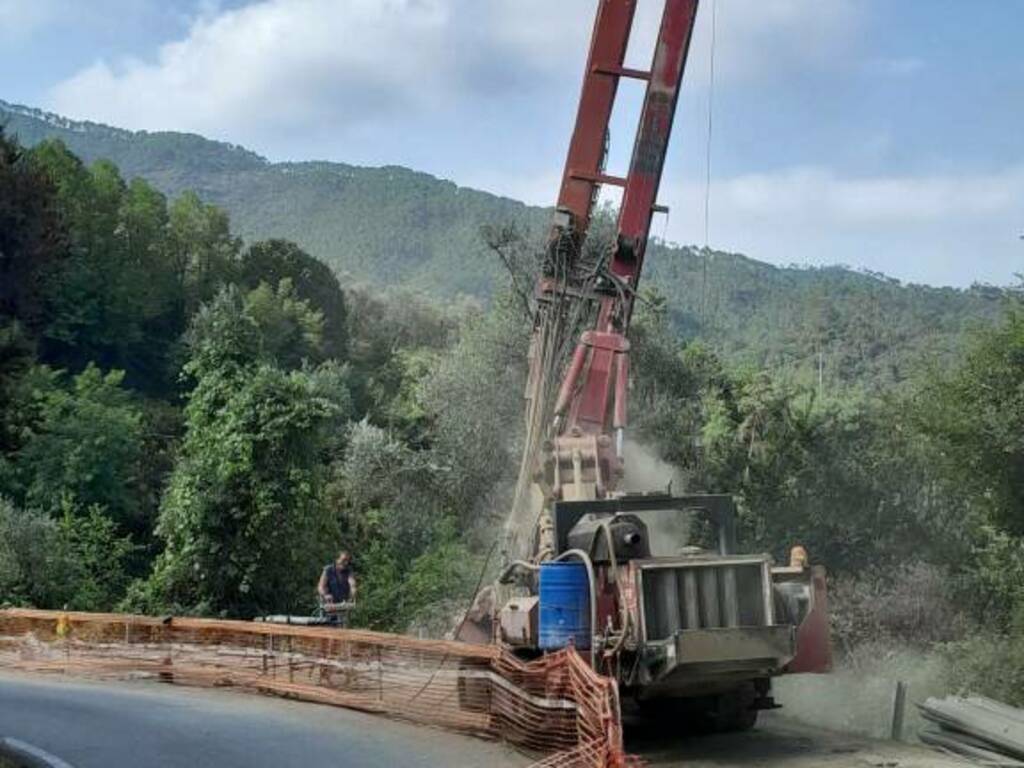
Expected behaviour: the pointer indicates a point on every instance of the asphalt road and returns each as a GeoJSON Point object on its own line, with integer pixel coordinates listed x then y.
{"type": "Point", "coordinates": [148, 725]}
{"type": "Point", "coordinates": [777, 742]}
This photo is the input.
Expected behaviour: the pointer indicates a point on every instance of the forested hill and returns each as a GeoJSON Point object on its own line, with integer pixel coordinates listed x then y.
{"type": "Point", "coordinates": [394, 225]}
{"type": "Point", "coordinates": [859, 327]}
{"type": "Point", "coordinates": [380, 224]}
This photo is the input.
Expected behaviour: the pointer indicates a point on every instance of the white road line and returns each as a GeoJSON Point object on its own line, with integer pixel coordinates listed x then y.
{"type": "Point", "coordinates": [42, 757]}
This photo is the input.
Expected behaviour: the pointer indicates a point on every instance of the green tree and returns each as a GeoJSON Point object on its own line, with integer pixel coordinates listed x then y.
{"type": "Point", "coordinates": [242, 520]}
{"type": "Point", "coordinates": [399, 521]}
{"type": "Point", "coordinates": [476, 413]}
{"type": "Point", "coordinates": [203, 252]}
{"type": "Point", "coordinates": [975, 421]}
{"type": "Point", "coordinates": [101, 559]}
{"type": "Point", "coordinates": [291, 331]}
{"type": "Point", "coordinates": [32, 238]}
{"type": "Point", "coordinates": [85, 446]}
{"type": "Point", "coordinates": [16, 360]}
{"type": "Point", "coordinates": [35, 568]}
{"type": "Point", "coordinates": [383, 325]}
{"type": "Point", "coordinates": [115, 301]}
{"type": "Point", "coordinates": [78, 560]}
{"type": "Point", "coordinates": [271, 261]}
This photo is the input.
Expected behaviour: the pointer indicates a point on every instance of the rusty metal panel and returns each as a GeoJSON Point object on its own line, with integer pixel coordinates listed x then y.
{"type": "Point", "coordinates": [518, 621]}
{"type": "Point", "coordinates": [585, 161]}
{"type": "Point", "coordinates": [708, 591]}
{"type": "Point", "coordinates": [701, 646]}
{"type": "Point", "coordinates": [648, 160]}
{"type": "Point", "coordinates": [814, 645]}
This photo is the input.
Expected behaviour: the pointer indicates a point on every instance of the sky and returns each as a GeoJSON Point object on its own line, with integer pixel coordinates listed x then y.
{"type": "Point", "coordinates": [885, 135]}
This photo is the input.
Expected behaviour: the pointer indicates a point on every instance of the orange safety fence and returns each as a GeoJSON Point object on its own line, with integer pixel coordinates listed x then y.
{"type": "Point", "coordinates": [556, 707]}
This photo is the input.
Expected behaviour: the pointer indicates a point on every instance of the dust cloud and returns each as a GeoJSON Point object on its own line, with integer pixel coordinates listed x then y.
{"type": "Point", "coordinates": [857, 696]}
{"type": "Point", "coordinates": [645, 471]}
{"type": "Point", "coordinates": [669, 529]}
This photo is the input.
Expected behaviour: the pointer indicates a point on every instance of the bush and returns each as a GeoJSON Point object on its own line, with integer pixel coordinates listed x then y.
{"type": "Point", "coordinates": [101, 558]}
{"type": "Point", "coordinates": [87, 444]}
{"type": "Point", "coordinates": [78, 561]}
{"type": "Point", "coordinates": [913, 606]}
{"type": "Point", "coordinates": [35, 567]}
{"type": "Point", "coordinates": [991, 665]}
{"type": "Point", "coordinates": [425, 595]}
{"type": "Point", "coordinates": [995, 579]}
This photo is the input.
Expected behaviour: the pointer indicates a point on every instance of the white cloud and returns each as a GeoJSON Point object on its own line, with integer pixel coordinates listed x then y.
{"type": "Point", "coordinates": [878, 202]}
{"type": "Point", "coordinates": [248, 72]}
{"type": "Point", "coordinates": [283, 61]}
{"type": "Point", "coordinates": [21, 20]}
{"type": "Point", "coordinates": [485, 91]}
{"type": "Point", "coordinates": [937, 229]}
{"type": "Point", "coordinates": [942, 229]}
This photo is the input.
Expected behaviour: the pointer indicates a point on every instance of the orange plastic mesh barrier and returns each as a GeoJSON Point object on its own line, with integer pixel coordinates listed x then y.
{"type": "Point", "coordinates": [556, 707]}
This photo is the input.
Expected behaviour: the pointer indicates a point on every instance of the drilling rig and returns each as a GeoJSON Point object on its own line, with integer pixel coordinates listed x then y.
{"type": "Point", "coordinates": [682, 623]}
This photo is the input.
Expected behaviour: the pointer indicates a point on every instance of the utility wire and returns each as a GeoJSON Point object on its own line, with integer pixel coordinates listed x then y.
{"type": "Point", "coordinates": [707, 162]}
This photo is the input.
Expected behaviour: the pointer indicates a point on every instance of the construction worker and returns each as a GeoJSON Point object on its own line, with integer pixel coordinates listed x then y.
{"type": "Point", "coordinates": [337, 588]}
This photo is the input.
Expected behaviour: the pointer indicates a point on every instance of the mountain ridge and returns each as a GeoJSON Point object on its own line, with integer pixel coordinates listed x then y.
{"type": "Point", "coordinates": [394, 225]}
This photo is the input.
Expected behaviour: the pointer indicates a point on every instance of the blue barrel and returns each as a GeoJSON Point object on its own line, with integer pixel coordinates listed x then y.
{"type": "Point", "coordinates": [564, 605]}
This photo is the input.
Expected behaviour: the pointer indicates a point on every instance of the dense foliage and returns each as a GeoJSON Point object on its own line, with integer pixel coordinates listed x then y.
{"type": "Point", "coordinates": [395, 226]}
{"type": "Point", "coordinates": [189, 423]}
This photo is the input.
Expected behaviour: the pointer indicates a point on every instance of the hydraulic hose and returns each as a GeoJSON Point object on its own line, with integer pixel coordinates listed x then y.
{"type": "Point", "coordinates": [516, 565]}
{"type": "Point", "coordinates": [624, 619]}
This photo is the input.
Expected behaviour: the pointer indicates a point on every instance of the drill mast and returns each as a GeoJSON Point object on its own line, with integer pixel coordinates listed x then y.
{"type": "Point", "coordinates": [575, 438]}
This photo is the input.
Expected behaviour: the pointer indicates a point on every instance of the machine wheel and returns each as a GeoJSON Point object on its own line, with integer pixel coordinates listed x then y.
{"type": "Point", "coordinates": [733, 712]}
{"type": "Point", "coordinates": [729, 712]}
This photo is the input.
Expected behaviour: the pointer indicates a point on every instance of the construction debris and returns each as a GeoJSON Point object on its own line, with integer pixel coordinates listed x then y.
{"type": "Point", "coordinates": [975, 727]}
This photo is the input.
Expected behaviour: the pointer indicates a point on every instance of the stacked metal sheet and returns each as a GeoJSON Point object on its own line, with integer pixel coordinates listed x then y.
{"type": "Point", "coordinates": [983, 730]}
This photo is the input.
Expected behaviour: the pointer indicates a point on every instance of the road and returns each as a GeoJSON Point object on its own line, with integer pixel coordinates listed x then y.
{"type": "Point", "coordinates": [778, 743]}
{"type": "Point", "coordinates": [114, 725]}
{"type": "Point", "coordinates": [136, 725]}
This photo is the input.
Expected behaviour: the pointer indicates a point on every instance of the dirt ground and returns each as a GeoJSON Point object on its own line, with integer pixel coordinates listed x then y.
{"type": "Point", "coordinates": [779, 743]}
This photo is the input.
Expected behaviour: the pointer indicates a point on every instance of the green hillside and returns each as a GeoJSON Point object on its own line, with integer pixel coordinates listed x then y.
{"type": "Point", "coordinates": [860, 328]}
{"type": "Point", "coordinates": [392, 225]}
{"type": "Point", "coordinates": [387, 224]}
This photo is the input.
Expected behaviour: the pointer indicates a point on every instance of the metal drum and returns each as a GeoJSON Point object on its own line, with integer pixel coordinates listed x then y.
{"type": "Point", "coordinates": [564, 606]}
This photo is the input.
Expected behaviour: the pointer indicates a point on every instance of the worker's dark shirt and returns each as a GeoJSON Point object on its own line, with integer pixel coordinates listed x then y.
{"type": "Point", "coordinates": [337, 582]}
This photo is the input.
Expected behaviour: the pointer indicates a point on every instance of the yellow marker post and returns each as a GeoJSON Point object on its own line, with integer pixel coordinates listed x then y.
{"type": "Point", "coordinates": [63, 624]}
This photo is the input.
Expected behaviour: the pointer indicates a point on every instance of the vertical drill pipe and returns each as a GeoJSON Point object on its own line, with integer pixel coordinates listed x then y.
{"type": "Point", "coordinates": [621, 390]}
{"type": "Point", "coordinates": [568, 387]}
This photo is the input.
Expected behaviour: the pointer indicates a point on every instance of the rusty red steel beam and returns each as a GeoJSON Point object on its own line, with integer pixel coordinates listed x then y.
{"type": "Point", "coordinates": [599, 403]}
{"type": "Point", "coordinates": [639, 199]}
{"type": "Point", "coordinates": [600, 84]}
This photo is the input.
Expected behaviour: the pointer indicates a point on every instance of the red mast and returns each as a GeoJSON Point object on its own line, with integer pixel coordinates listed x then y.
{"type": "Point", "coordinates": [591, 402]}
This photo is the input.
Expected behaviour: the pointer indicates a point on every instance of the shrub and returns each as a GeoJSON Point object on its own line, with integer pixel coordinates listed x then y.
{"type": "Point", "coordinates": [913, 606]}
{"type": "Point", "coordinates": [100, 558]}
{"type": "Point", "coordinates": [35, 566]}
{"type": "Point", "coordinates": [992, 665]}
